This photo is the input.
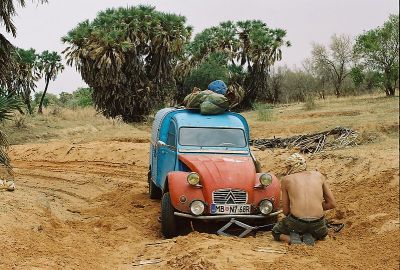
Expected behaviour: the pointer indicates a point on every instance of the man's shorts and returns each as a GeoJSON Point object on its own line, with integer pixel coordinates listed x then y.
{"type": "Point", "coordinates": [317, 228]}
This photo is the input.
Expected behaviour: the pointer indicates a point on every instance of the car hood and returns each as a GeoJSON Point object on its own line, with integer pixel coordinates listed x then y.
{"type": "Point", "coordinates": [222, 171]}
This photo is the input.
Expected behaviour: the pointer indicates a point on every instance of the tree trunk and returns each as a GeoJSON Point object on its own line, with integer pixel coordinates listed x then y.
{"type": "Point", "coordinates": [28, 104]}
{"type": "Point", "coordinates": [26, 95]}
{"type": "Point", "coordinates": [337, 90]}
{"type": "Point", "coordinates": [390, 90]}
{"type": "Point", "coordinates": [40, 110]}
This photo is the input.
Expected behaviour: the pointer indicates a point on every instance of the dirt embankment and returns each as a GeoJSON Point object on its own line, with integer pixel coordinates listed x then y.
{"type": "Point", "coordinates": [85, 206]}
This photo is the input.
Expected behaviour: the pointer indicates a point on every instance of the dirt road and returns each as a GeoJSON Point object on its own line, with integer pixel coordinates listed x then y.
{"type": "Point", "coordinates": [85, 206]}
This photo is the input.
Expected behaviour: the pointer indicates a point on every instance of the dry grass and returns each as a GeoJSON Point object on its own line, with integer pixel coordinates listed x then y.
{"type": "Point", "coordinates": [371, 115]}
{"type": "Point", "coordinates": [74, 125]}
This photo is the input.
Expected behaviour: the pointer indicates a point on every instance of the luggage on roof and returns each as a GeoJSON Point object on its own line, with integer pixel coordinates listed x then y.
{"type": "Point", "coordinates": [207, 101]}
{"type": "Point", "coordinates": [210, 102]}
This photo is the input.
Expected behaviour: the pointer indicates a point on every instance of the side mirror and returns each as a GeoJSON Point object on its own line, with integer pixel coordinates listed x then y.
{"type": "Point", "coordinates": [160, 143]}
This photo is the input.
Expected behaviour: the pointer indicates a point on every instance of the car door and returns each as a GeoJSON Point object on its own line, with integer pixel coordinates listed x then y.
{"type": "Point", "coordinates": [166, 155]}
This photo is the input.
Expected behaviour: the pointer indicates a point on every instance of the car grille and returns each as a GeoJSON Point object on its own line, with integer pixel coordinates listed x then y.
{"type": "Point", "coordinates": [229, 196]}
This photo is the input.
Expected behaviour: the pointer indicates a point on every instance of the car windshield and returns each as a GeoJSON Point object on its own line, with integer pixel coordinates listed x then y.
{"type": "Point", "coordinates": [212, 137]}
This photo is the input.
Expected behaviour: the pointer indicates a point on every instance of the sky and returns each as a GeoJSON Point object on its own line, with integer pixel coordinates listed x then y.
{"type": "Point", "coordinates": [306, 21]}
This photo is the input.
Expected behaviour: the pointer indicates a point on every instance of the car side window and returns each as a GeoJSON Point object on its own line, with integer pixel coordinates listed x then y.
{"type": "Point", "coordinates": [171, 135]}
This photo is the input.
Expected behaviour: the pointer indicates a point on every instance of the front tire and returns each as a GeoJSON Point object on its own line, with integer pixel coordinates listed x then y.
{"type": "Point", "coordinates": [168, 219]}
{"type": "Point", "coordinates": [154, 191]}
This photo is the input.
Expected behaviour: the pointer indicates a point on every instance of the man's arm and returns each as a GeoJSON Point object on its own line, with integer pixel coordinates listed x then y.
{"type": "Point", "coordinates": [285, 198]}
{"type": "Point", "coordinates": [330, 201]}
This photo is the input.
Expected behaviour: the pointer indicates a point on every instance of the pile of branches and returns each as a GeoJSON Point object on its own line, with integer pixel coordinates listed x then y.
{"type": "Point", "coordinates": [338, 137]}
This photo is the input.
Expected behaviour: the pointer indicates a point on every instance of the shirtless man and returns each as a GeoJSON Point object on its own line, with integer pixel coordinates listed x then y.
{"type": "Point", "coordinates": [305, 196]}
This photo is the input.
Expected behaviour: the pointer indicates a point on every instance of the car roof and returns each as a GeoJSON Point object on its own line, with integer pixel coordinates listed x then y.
{"type": "Point", "coordinates": [192, 118]}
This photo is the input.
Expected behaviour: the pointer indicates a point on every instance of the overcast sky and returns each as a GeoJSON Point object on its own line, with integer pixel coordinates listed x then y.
{"type": "Point", "coordinates": [42, 26]}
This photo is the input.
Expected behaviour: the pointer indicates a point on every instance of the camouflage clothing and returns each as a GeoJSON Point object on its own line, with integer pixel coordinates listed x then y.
{"type": "Point", "coordinates": [317, 228]}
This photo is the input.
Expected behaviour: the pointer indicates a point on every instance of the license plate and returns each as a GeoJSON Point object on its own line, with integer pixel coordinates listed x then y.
{"type": "Point", "coordinates": [226, 209]}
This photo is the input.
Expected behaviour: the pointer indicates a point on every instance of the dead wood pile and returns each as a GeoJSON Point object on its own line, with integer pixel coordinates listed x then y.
{"type": "Point", "coordinates": [338, 137]}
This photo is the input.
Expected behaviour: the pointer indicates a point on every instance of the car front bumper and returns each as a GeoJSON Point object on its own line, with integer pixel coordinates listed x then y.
{"type": "Point", "coordinates": [225, 217]}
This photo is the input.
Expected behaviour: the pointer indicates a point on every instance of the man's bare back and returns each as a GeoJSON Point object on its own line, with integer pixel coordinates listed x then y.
{"type": "Point", "coordinates": [306, 195]}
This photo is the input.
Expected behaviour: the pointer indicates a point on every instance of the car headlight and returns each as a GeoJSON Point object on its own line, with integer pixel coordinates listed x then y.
{"type": "Point", "coordinates": [193, 178]}
{"type": "Point", "coordinates": [265, 179]}
{"type": "Point", "coordinates": [266, 207]}
{"type": "Point", "coordinates": [197, 208]}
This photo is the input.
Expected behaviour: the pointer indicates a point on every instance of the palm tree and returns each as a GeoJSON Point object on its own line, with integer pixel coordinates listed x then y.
{"type": "Point", "coordinates": [24, 78]}
{"type": "Point", "coordinates": [249, 45]}
{"type": "Point", "coordinates": [261, 48]}
{"type": "Point", "coordinates": [8, 68]}
{"type": "Point", "coordinates": [6, 61]}
{"type": "Point", "coordinates": [7, 12]}
{"type": "Point", "coordinates": [127, 56]}
{"type": "Point", "coordinates": [50, 65]}
{"type": "Point", "coordinates": [7, 105]}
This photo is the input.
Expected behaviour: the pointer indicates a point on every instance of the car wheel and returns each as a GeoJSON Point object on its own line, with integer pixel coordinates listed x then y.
{"type": "Point", "coordinates": [168, 219]}
{"type": "Point", "coordinates": [154, 191]}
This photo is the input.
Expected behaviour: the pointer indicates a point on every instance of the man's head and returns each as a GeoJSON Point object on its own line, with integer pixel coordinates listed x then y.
{"type": "Point", "coordinates": [295, 163]}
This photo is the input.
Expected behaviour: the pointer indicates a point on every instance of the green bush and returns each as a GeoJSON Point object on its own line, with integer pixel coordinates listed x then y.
{"type": "Point", "coordinates": [82, 97]}
{"type": "Point", "coordinates": [65, 98]}
{"type": "Point", "coordinates": [213, 68]}
{"type": "Point", "coordinates": [264, 111]}
{"type": "Point", "coordinates": [49, 99]}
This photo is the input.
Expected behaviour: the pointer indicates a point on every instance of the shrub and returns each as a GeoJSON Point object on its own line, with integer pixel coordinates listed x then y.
{"type": "Point", "coordinates": [212, 69]}
{"type": "Point", "coordinates": [264, 111]}
{"type": "Point", "coordinates": [49, 99]}
{"type": "Point", "coordinates": [20, 122]}
{"type": "Point", "coordinates": [83, 97]}
{"type": "Point", "coordinates": [309, 103]}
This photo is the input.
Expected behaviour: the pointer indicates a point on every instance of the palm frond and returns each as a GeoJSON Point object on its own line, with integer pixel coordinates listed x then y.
{"type": "Point", "coordinates": [8, 105]}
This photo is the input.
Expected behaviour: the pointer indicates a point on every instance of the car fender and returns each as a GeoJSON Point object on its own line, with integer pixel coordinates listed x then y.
{"type": "Point", "coordinates": [271, 192]}
{"type": "Point", "coordinates": [181, 192]}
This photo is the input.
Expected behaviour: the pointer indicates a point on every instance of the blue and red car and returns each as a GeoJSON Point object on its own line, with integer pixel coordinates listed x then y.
{"type": "Point", "coordinates": [201, 168]}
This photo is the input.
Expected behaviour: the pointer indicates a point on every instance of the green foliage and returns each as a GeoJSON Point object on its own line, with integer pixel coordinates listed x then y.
{"type": "Point", "coordinates": [24, 78]}
{"type": "Point", "coordinates": [366, 79]}
{"type": "Point", "coordinates": [249, 45]}
{"type": "Point", "coordinates": [82, 98]}
{"type": "Point", "coordinates": [9, 71]}
{"type": "Point", "coordinates": [49, 65]}
{"type": "Point", "coordinates": [128, 55]}
{"type": "Point", "coordinates": [237, 74]}
{"type": "Point", "coordinates": [65, 98]}
{"type": "Point", "coordinates": [211, 69]}
{"type": "Point", "coordinates": [49, 99]}
{"type": "Point", "coordinates": [264, 111]}
{"type": "Point", "coordinates": [379, 51]}
{"type": "Point", "coordinates": [357, 76]}
{"type": "Point", "coordinates": [373, 79]}
{"type": "Point", "coordinates": [7, 105]}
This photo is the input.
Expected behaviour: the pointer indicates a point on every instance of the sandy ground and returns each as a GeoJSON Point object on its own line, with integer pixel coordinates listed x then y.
{"type": "Point", "coordinates": [84, 205]}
